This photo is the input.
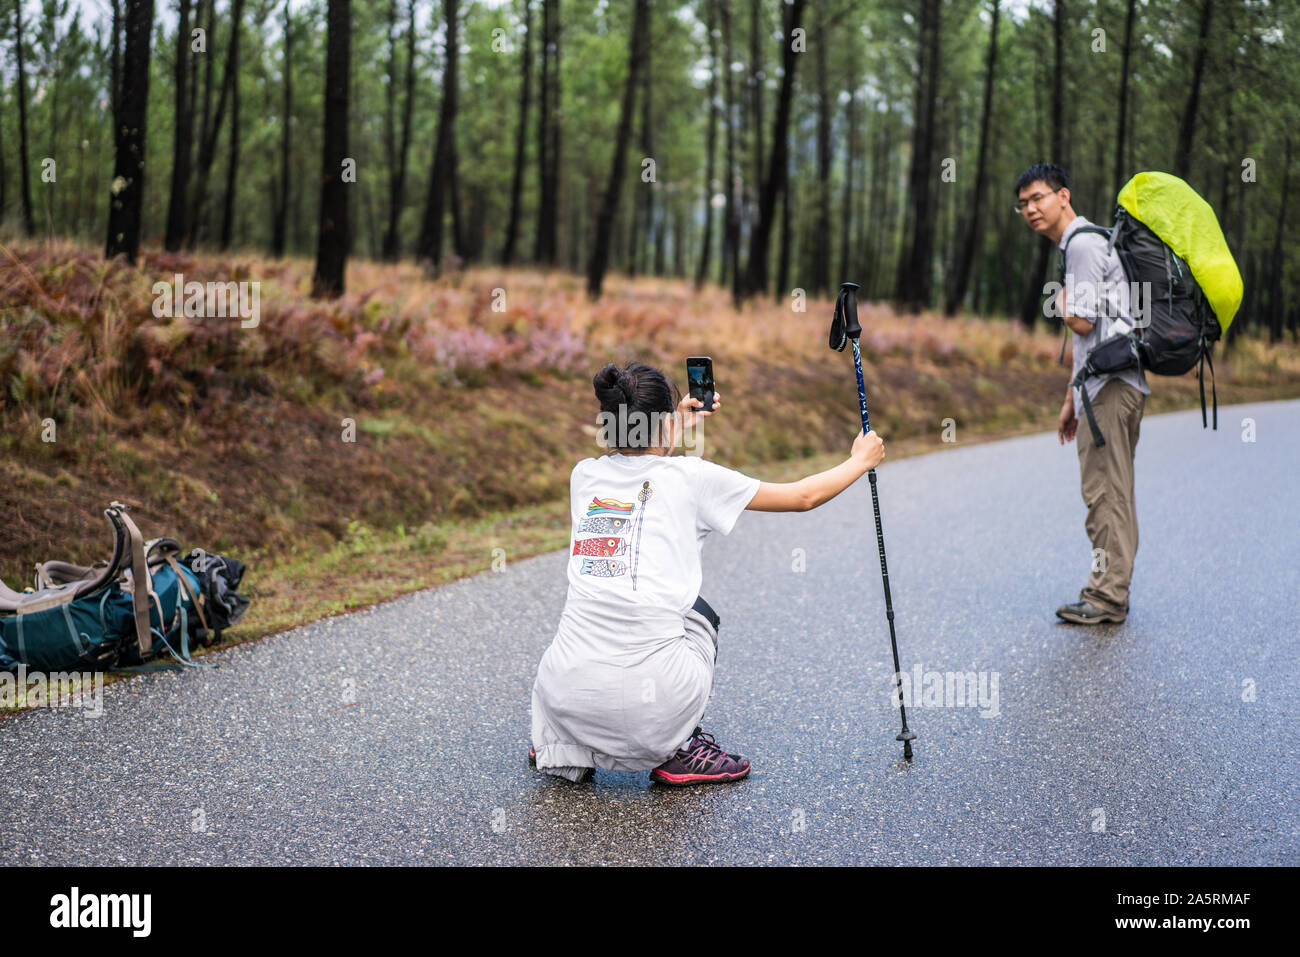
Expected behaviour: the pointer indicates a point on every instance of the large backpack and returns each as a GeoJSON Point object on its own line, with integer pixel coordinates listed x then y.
{"type": "Point", "coordinates": [137, 605]}
{"type": "Point", "coordinates": [1175, 257]}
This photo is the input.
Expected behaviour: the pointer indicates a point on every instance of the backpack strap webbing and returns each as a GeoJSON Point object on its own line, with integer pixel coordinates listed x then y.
{"type": "Point", "coordinates": [139, 583]}
{"type": "Point", "coordinates": [1208, 356]}
{"type": "Point", "coordinates": [195, 600]}
{"type": "Point", "coordinates": [1087, 409]}
{"type": "Point", "coordinates": [1099, 230]}
{"type": "Point", "coordinates": [1089, 228]}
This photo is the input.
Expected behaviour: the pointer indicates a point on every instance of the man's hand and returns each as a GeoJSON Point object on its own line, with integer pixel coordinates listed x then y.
{"type": "Point", "coordinates": [1078, 325]}
{"type": "Point", "coordinates": [1067, 423]}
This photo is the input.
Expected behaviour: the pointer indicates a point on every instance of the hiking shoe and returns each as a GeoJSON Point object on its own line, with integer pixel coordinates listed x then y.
{"type": "Point", "coordinates": [701, 762]}
{"type": "Point", "coordinates": [1086, 613]}
{"type": "Point", "coordinates": [588, 773]}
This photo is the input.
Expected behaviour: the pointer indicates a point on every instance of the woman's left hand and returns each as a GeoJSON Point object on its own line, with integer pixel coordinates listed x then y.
{"type": "Point", "coordinates": [692, 409]}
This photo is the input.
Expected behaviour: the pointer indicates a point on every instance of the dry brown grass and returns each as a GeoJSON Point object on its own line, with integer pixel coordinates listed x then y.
{"type": "Point", "coordinates": [231, 438]}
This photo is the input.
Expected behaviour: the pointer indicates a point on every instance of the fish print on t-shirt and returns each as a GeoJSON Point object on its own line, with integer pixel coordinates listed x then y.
{"type": "Point", "coordinates": [608, 515]}
{"type": "Point", "coordinates": [600, 547]}
{"type": "Point", "coordinates": [604, 524]}
{"type": "Point", "coordinates": [603, 567]}
{"type": "Point", "coordinates": [604, 514]}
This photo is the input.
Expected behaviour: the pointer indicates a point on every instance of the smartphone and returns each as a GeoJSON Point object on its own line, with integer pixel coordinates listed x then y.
{"type": "Point", "coordinates": [699, 373]}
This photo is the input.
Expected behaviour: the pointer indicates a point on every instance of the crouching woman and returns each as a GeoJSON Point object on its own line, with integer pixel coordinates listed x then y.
{"type": "Point", "coordinates": [624, 683]}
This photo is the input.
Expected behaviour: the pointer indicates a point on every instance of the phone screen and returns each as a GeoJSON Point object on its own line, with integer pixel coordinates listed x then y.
{"type": "Point", "coordinates": [699, 372]}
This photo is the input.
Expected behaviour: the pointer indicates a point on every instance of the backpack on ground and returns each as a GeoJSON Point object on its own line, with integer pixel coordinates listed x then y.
{"type": "Point", "coordinates": [1175, 257]}
{"type": "Point", "coordinates": [137, 605]}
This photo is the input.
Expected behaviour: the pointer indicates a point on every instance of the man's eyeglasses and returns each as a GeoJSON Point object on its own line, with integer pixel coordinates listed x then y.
{"type": "Point", "coordinates": [1023, 204]}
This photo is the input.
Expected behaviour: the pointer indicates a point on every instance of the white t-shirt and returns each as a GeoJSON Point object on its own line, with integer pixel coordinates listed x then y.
{"type": "Point", "coordinates": [639, 522]}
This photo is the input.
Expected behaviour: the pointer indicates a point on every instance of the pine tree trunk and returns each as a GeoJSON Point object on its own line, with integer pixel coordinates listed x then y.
{"type": "Point", "coordinates": [975, 223]}
{"type": "Point", "coordinates": [916, 268]}
{"type": "Point", "coordinates": [193, 82]}
{"type": "Point", "coordinates": [546, 251]}
{"type": "Point", "coordinates": [29, 221]}
{"type": "Point", "coordinates": [643, 196]}
{"type": "Point", "coordinates": [782, 286]}
{"type": "Point", "coordinates": [4, 174]}
{"type": "Point", "coordinates": [459, 242]}
{"type": "Point", "coordinates": [210, 130]}
{"type": "Point", "coordinates": [278, 231]}
{"type": "Point", "coordinates": [756, 279]}
{"type": "Point", "coordinates": [390, 126]}
{"type": "Point", "coordinates": [232, 162]}
{"type": "Point", "coordinates": [1121, 127]}
{"type": "Point", "coordinates": [821, 235]}
{"type": "Point", "coordinates": [599, 260]}
{"type": "Point", "coordinates": [1031, 307]}
{"type": "Point", "coordinates": [521, 139]}
{"type": "Point", "coordinates": [399, 151]}
{"type": "Point", "coordinates": [731, 220]}
{"type": "Point", "coordinates": [756, 77]}
{"type": "Point", "coordinates": [178, 202]}
{"type": "Point", "coordinates": [333, 234]}
{"type": "Point", "coordinates": [1276, 304]}
{"type": "Point", "coordinates": [1187, 128]}
{"type": "Point", "coordinates": [679, 243]}
{"type": "Point", "coordinates": [706, 249]}
{"type": "Point", "coordinates": [127, 191]}
{"type": "Point", "coordinates": [441, 172]}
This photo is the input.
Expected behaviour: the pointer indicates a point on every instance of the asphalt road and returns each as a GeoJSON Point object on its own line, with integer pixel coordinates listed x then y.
{"type": "Point", "coordinates": [398, 734]}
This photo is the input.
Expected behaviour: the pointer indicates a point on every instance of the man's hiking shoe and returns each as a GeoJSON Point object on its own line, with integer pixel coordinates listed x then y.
{"type": "Point", "coordinates": [1086, 613]}
{"type": "Point", "coordinates": [587, 775]}
{"type": "Point", "coordinates": [701, 762]}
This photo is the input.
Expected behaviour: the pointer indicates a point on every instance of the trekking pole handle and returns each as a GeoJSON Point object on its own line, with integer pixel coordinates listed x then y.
{"type": "Point", "coordinates": [844, 324]}
{"type": "Point", "coordinates": [845, 327]}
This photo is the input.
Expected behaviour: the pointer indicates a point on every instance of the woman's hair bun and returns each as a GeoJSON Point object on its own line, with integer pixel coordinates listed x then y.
{"type": "Point", "coordinates": [638, 388]}
{"type": "Point", "coordinates": [608, 378]}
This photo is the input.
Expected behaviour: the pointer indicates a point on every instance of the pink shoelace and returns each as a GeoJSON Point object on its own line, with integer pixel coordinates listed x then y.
{"type": "Point", "coordinates": [704, 754]}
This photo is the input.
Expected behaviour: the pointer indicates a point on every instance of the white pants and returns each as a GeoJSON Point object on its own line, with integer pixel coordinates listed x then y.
{"type": "Point", "coordinates": [599, 703]}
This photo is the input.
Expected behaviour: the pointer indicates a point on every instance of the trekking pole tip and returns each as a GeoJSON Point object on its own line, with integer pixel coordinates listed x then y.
{"type": "Point", "coordinates": [907, 737]}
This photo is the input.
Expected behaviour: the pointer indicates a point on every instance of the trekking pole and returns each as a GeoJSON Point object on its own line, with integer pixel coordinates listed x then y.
{"type": "Point", "coordinates": [845, 328]}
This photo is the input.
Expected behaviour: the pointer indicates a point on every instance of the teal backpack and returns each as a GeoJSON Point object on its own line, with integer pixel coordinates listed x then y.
{"type": "Point", "coordinates": [112, 615]}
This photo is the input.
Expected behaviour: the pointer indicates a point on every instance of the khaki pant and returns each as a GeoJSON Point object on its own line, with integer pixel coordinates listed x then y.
{"type": "Point", "coordinates": [1106, 476]}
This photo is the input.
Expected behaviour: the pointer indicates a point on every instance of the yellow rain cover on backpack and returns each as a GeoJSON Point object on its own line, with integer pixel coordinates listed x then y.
{"type": "Point", "coordinates": [1176, 213]}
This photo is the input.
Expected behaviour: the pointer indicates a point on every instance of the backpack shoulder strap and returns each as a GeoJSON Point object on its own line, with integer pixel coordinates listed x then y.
{"type": "Point", "coordinates": [1089, 228]}
{"type": "Point", "coordinates": [1078, 383]}
{"type": "Point", "coordinates": [140, 584]}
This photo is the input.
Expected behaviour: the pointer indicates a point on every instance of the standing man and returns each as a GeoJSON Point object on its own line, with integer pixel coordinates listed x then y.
{"type": "Point", "coordinates": [1096, 294]}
